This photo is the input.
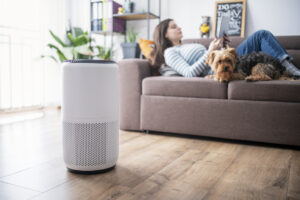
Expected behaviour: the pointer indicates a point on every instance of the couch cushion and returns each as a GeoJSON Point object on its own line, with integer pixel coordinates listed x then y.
{"type": "Point", "coordinates": [184, 87]}
{"type": "Point", "coordinates": [289, 41]}
{"type": "Point", "coordinates": [277, 90]}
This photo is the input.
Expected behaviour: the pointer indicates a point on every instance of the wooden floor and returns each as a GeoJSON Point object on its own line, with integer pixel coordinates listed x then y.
{"type": "Point", "coordinates": [150, 166]}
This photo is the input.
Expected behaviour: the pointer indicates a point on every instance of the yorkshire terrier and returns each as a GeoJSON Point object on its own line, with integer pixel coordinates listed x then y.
{"type": "Point", "coordinates": [228, 66]}
{"type": "Point", "coordinates": [223, 63]}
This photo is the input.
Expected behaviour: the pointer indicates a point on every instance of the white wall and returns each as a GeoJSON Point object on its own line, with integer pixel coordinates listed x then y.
{"type": "Point", "coordinates": [78, 12]}
{"type": "Point", "coordinates": [281, 17]}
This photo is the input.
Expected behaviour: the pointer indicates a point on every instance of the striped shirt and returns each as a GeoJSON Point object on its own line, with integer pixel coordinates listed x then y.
{"type": "Point", "coordinates": [188, 60]}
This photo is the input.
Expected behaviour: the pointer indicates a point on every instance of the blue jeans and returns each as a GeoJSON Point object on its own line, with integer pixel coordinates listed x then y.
{"type": "Point", "coordinates": [263, 41]}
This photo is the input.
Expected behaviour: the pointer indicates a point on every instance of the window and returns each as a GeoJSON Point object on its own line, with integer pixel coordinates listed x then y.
{"type": "Point", "coordinates": [26, 80]}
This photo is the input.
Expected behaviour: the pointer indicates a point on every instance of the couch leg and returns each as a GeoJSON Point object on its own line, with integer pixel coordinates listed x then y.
{"type": "Point", "coordinates": [146, 131]}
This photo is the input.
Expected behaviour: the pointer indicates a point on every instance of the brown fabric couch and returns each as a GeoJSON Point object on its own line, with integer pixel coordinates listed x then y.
{"type": "Point", "coordinates": [265, 111]}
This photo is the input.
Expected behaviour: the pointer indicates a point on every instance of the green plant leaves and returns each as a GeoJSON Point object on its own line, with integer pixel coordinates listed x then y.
{"type": "Point", "coordinates": [60, 54]}
{"type": "Point", "coordinates": [131, 35]}
{"type": "Point", "coordinates": [81, 40]}
{"type": "Point", "coordinates": [76, 47]}
{"type": "Point", "coordinates": [102, 53]}
{"type": "Point", "coordinates": [84, 50]}
{"type": "Point", "coordinates": [78, 31]}
{"type": "Point", "coordinates": [57, 39]}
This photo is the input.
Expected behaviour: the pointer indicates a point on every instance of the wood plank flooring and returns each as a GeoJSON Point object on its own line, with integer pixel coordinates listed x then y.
{"type": "Point", "coordinates": [150, 166]}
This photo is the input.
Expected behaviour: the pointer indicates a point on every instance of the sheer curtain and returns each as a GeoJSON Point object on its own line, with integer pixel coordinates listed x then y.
{"type": "Point", "coordinates": [26, 80]}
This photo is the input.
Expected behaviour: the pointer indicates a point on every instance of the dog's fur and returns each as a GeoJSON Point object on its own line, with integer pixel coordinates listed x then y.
{"type": "Point", "coordinates": [223, 63]}
{"type": "Point", "coordinates": [259, 67]}
{"type": "Point", "coordinates": [227, 66]}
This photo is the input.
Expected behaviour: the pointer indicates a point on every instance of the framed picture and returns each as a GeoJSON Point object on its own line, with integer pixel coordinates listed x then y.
{"type": "Point", "coordinates": [229, 18]}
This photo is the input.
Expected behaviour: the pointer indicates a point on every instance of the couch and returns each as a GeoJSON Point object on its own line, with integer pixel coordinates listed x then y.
{"type": "Point", "coordinates": [264, 111]}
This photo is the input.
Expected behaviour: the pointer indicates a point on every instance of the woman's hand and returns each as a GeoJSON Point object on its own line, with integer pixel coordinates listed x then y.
{"type": "Point", "coordinates": [216, 44]}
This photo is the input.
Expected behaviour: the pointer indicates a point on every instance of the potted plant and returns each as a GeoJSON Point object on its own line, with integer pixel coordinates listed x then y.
{"type": "Point", "coordinates": [131, 48]}
{"type": "Point", "coordinates": [76, 46]}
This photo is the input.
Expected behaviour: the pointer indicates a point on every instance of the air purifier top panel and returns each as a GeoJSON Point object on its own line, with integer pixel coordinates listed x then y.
{"type": "Point", "coordinates": [90, 61]}
{"type": "Point", "coordinates": [90, 91]}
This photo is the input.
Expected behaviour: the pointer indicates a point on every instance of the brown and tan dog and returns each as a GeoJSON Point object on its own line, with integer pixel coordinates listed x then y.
{"type": "Point", "coordinates": [223, 63]}
{"type": "Point", "coordinates": [256, 66]}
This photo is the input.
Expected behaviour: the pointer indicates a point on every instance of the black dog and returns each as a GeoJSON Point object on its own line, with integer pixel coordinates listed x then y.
{"type": "Point", "coordinates": [259, 66]}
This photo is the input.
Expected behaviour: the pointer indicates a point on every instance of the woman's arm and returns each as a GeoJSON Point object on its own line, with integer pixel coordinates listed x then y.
{"type": "Point", "coordinates": [177, 62]}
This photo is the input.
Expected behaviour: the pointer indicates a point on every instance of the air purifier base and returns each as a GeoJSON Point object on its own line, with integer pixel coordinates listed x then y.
{"type": "Point", "coordinates": [91, 172]}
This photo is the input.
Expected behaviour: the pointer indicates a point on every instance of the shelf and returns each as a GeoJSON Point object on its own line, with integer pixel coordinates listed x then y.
{"type": "Point", "coordinates": [135, 16]}
{"type": "Point", "coordinates": [106, 32]}
{"type": "Point", "coordinates": [116, 23]}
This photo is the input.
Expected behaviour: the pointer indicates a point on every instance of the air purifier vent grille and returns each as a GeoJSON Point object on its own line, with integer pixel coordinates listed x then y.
{"type": "Point", "coordinates": [90, 144]}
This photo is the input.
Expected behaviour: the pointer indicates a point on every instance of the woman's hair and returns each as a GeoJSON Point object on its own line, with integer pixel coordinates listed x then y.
{"type": "Point", "coordinates": [161, 43]}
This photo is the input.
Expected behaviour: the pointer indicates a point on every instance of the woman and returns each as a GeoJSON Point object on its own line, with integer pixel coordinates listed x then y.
{"type": "Point", "coordinates": [189, 59]}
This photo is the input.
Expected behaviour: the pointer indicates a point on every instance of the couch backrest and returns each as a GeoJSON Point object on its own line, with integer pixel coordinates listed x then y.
{"type": "Point", "coordinates": [290, 43]}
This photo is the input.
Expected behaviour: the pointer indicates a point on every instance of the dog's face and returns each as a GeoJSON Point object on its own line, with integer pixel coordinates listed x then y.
{"type": "Point", "coordinates": [223, 63]}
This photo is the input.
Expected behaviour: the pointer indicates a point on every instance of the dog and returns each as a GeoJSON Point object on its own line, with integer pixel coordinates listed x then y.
{"type": "Point", "coordinates": [223, 63]}
{"type": "Point", "coordinates": [258, 66]}
{"type": "Point", "coordinates": [228, 66]}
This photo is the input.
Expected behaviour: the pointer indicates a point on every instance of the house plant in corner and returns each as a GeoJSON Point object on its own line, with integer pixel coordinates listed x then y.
{"type": "Point", "coordinates": [131, 48]}
{"type": "Point", "coordinates": [76, 46]}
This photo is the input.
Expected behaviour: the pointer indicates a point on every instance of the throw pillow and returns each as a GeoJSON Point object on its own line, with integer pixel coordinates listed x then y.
{"type": "Point", "coordinates": [146, 47]}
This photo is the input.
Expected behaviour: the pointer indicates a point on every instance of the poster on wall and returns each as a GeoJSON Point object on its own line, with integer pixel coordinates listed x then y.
{"type": "Point", "coordinates": [229, 18]}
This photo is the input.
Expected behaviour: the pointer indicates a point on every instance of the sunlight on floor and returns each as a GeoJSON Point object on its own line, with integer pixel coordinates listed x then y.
{"type": "Point", "coordinates": [18, 117]}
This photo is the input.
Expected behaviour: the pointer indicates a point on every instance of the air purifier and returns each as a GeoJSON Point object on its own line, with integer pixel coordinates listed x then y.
{"type": "Point", "coordinates": [90, 115]}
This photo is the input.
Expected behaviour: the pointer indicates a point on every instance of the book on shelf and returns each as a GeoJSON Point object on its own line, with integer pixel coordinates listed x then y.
{"type": "Point", "coordinates": [96, 22]}
{"type": "Point", "coordinates": [102, 17]}
{"type": "Point", "coordinates": [104, 24]}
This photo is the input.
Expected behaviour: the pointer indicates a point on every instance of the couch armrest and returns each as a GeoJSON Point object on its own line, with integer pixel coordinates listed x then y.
{"type": "Point", "coordinates": [131, 74]}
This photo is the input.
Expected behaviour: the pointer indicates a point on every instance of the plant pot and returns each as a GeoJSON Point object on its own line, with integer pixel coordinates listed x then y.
{"type": "Point", "coordinates": [131, 50]}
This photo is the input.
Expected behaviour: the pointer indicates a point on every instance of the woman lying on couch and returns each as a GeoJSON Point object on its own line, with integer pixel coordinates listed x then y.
{"type": "Point", "coordinates": [189, 60]}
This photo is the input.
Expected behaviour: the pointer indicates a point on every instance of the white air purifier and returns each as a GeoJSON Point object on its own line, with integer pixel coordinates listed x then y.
{"type": "Point", "coordinates": [90, 115]}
